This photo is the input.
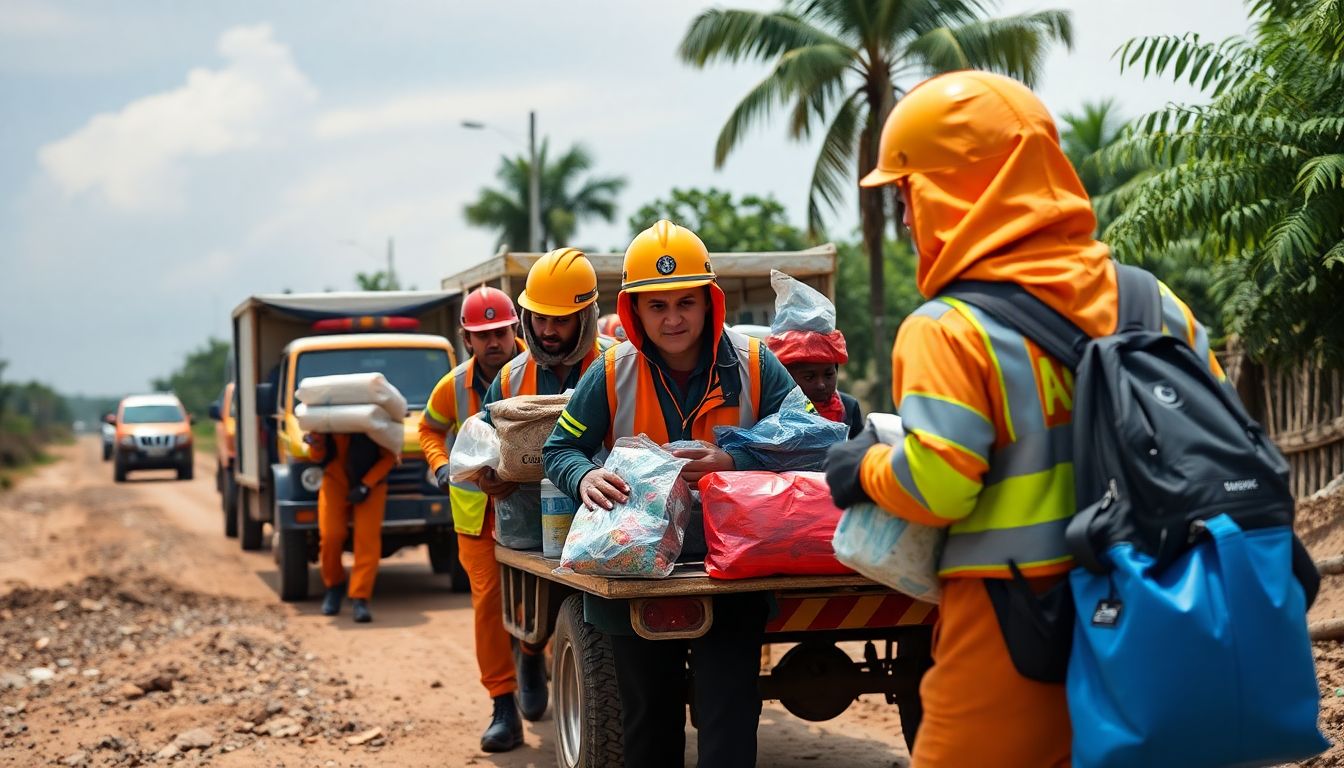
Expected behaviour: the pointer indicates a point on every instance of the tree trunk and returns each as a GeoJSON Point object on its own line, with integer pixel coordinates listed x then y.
{"type": "Point", "coordinates": [873, 220]}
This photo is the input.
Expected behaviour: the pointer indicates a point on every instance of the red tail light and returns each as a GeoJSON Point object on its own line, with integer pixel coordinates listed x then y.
{"type": "Point", "coordinates": [366, 323]}
{"type": "Point", "coordinates": [671, 616]}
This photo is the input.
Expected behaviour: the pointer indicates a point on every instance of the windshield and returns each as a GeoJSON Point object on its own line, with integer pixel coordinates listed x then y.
{"type": "Point", "coordinates": [414, 372]}
{"type": "Point", "coordinates": [150, 414]}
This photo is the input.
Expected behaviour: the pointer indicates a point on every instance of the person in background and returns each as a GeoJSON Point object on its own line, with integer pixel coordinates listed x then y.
{"type": "Point", "coordinates": [489, 331]}
{"type": "Point", "coordinates": [680, 374]}
{"type": "Point", "coordinates": [813, 360]}
{"type": "Point", "coordinates": [353, 494]}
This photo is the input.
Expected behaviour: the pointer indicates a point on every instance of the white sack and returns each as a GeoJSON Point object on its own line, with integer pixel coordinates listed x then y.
{"type": "Point", "coordinates": [353, 389]}
{"type": "Point", "coordinates": [368, 419]}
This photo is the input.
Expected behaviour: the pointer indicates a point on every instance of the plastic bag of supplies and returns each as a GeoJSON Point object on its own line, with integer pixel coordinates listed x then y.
{"type": "Point", "coordinates": [799, 306]}
{"type": "Point", "coordinates": [643, 536]}
{"type": "Point", "coordinates": [794, 439]}
{"type": "Point", "coordinates": [475, 447]}
{"type": "Point", "coordinates": [885, 548]}
{"type": "Point", "coordinates": [764, 523]}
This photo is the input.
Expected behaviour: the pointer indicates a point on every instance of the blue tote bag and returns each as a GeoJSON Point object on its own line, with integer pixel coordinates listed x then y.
{"type": "Point", "coordinates": [1204, 664]}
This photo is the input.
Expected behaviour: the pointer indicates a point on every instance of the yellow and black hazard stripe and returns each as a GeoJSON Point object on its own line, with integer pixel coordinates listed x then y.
{"type": "Point", "coordinates": [571, 425]}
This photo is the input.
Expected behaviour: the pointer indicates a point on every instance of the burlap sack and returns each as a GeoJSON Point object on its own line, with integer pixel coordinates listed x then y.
{"type": "Point", "coordinates": [523, 424]}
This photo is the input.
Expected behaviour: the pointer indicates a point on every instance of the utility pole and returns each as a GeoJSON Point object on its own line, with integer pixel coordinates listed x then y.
{"type": "Point", "coordinates": [534, 185]}
{"type": "Point", "coordinates": [391, 274]}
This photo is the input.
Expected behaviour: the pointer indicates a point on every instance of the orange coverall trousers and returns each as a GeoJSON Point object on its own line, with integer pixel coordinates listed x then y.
{"type": "Point", "coordinates": [334, 517]}
{"type": "Point", "coordinates": [494, 649]}
{"type": "Point", "coordinates": [978, 711]}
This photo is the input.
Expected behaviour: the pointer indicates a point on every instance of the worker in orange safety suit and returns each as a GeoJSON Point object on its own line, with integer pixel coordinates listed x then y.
{"type": "Point", "coordinates": [987, 455]}
{"type": "Point", "coordinates": [342, 504]}
{"type": "Point", "coordinates": [560, 328]}
{"type": "Point", "coordinates": [489, 332]}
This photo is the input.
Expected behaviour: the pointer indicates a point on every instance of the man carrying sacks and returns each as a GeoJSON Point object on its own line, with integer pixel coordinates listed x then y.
{"type": "Point", "coordinates": [488, 330]}
{"type": "Point", "coordinates": [560, 323]}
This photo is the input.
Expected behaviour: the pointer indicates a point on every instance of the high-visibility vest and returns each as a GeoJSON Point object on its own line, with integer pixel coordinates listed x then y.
{"type": "Point", "coordinates": [467, 500]}
{"type": "Point", "coordinates": [632, 399]}
{"type": "Point", "coordinates": [519, 376]}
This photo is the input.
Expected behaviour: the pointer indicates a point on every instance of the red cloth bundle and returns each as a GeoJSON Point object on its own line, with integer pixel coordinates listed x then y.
{"type": "Point", "coordinates": [764, 523]}
{"type": "Point", "coordinates": [808, 347]}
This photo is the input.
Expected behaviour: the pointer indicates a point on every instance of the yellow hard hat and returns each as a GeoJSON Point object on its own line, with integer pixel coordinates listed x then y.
{"type": "Point", "coordinates": [665, 257]}
{"type": "Point", "coordinates": [955, 120]}
{"type": "Point", "coordinates": [561, 283]}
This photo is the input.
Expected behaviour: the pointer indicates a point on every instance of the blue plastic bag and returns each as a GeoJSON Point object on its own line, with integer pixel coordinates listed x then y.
{"type": "Point", "coordinates": [793, 440]}
{"type": "Point", "coordinates": [1204, 664]}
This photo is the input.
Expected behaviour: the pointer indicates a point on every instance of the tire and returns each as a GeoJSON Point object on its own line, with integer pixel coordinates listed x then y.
{"type": "Point", "coordinates": [291, 556]}
{"type": "Point", "coordinates": [186, 471]}
{"type": "Point", "coordinates": [228, 500]}
{"type": "Point", "coordinates": [585, 700]}
{"type": "Point", "coordinates": [107, 452]}
{"type": "Point", "coordinates": [443, 559]}
{"type": "Point", "coordinates": [249, 530]}
{"type": "Point", "coordinates": [118, 470]}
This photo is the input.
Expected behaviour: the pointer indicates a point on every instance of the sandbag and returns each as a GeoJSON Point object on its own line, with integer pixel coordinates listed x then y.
{"type": "Point", "coordinates": [799, 306]}
{"type": "Point", "coordinates": [353, 389]}
{"type": "Point", "coordinates": [795, 438]}
{"type": "Point", "coordinates": [764, 523]}
{"type": "Point", "coordinates": [475, 447]}
{"type": "Point", "coordinates": [885, 548]}
{"type": "Point", "coordinates": [523, 424]}
{"type": "Point", "coordinates": [518, 517]}
{"type": "Point", "coordinates": [368, 419]}
{"type": "Point", "coordinates": [643, 536]}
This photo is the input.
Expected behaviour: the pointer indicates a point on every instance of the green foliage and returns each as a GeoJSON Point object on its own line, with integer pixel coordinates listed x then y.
{"type": "Point", "coordinates": [377, 281]}
{"type": "Point", "coordinates": [31, 416]}
{"type": "Point", "coordinates": [749, 224]}
{"type": "Point", "coordinates": [566, 197]}
{"type": "Point", "coordinates": [197, 383]}
{"type": "Point", "coordinates": [1253, 182]}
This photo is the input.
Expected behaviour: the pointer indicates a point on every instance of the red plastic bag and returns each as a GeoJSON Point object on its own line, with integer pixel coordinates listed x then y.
{"type": "Point", "coordinates": [764, 523]}
{"type": "Point", "coordinates": [808, 347]}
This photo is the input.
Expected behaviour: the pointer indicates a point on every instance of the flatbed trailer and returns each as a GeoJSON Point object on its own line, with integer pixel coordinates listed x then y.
{"type": "Point", "coordinates": [814, 680]}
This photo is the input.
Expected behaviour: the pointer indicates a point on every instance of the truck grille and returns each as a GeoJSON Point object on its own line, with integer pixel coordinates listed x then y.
{"type": "Point", "coordinates": [408, 478]}
{"type": "Point", "coordinates": [154, 441]}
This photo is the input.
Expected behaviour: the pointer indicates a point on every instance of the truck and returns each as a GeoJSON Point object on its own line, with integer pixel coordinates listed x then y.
{"type": "Point", "coordinates": [815, 679]}
{"type": "Point", "coordinates": [278, 340]}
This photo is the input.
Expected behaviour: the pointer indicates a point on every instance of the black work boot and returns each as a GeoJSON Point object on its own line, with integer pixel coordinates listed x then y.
{"type": "Point", "coordinates": [360, 608]}
{"type": "Point", "coordinates": [532, 691]}
{"type": "Point", "coordinates": [506, 729]}
{"type": "Point", "coordinates": [331, 601]}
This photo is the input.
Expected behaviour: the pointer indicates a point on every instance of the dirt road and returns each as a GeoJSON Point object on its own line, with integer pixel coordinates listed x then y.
{"type": "Point", "coordinates": [133, 631]}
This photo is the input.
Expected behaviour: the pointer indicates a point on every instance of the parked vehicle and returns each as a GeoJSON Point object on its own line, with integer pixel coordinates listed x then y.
{"type": "Point", "coordinates": [152, 432]}
{"type": "Point", "coordinates": [226, 451]}
{"type": "Point", "coordinates": [278, 340]}
{"type": "Point", "coordinates": [108, 428]}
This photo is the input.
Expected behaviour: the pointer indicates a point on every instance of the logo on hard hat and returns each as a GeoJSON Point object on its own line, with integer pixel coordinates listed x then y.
{"type": "Point", "coordinates": [666, 265]}
{"type": "Point", "coordinates": [582, 297]}
{"type": "Point", "coordinates": [489, 313]}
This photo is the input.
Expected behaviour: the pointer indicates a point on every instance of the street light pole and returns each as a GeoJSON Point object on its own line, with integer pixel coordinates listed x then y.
{"type": "Point", "coordinates": [534, 185]}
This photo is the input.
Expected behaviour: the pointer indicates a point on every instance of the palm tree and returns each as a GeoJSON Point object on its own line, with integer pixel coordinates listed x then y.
{"type": "Point", "coordinates": [565, 199]}
{"type": "Point", "coordinates": [1253, 181]}
{"type": "Point", "coordinates": [843, 64]}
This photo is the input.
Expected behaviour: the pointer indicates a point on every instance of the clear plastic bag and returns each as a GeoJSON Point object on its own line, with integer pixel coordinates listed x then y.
{"type": "Point", "coordinates": [518, 517]}
{"type": "Point", "coordinates": [643, 536]}
{"type": "Point", "coordinates": [885, 548]}
{"type": "Point", "coordinates": [793, 440]}
{"type": "Point", "coordinates": [799, 306]}
{"type": "Point", "coordinates": [475, 448]}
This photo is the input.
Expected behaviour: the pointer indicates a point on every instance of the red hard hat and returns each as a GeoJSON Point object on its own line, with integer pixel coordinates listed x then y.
{"type": "Point", "coordinates": [486, 309]}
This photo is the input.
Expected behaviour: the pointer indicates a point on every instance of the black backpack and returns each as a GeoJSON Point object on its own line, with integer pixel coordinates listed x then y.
{"type": "Point", "coordinates": [1159, 444]}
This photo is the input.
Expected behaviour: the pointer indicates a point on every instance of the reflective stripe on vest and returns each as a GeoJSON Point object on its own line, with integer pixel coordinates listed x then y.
{"type": "Point", "coordinates": [1028, 495]}
{"type": "Point", "coordinates": [633, 402]}
{"type": "Point", "coordinates": [467, 500]}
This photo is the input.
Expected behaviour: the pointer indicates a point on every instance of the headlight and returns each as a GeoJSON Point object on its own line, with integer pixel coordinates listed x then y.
{"type": "Point", "coordinates": [311, 479]}
{"type": "Point", "coordinates": [128, 441]}
{"type": "Point", "coordinates": [184, 439]}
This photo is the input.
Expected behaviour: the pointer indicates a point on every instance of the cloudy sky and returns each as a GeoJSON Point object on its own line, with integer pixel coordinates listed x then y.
{"type": "Point", "coordinates": [159, 161]}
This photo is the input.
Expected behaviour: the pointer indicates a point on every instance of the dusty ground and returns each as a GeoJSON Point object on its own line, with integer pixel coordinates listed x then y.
{"type": "Point", "coordinates": [133, 632]}
{"type": "Point", "coordinates": [1320, 524]}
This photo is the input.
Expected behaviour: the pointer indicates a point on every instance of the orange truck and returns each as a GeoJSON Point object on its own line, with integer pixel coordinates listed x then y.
{"type": "Point", "coordinates": [151, 432]}
{"type": "Point", "coordinates": [278, 340]}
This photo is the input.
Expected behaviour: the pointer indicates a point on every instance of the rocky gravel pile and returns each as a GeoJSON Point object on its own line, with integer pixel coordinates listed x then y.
{"type": "Point", "coordinates": [157, 674]}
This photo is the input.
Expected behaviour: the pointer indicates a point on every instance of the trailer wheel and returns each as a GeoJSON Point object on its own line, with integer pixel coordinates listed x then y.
{"type": "Point", "coordinates": [249, 530]}
{"type": "Point", "coordinates": [443, 559]}
{"type": "Point", "coordinates": [291, 556]}
{"type": "Point", "coordinates": [586, 701]}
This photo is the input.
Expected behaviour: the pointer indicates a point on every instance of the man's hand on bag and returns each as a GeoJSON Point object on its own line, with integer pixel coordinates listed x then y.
{"type": "Point", "coordinates": [441, 478]}
{"type": "Point", "coordinates": [842, 469]}
{"type": "Point", "coordinates": [489, 482]}
{"type": "Point", "coordinates": [703, 462]}
{"type": "Point", "coordinates": [358, 494]}
{"type": "Point", "coordinates": [600, 489]}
